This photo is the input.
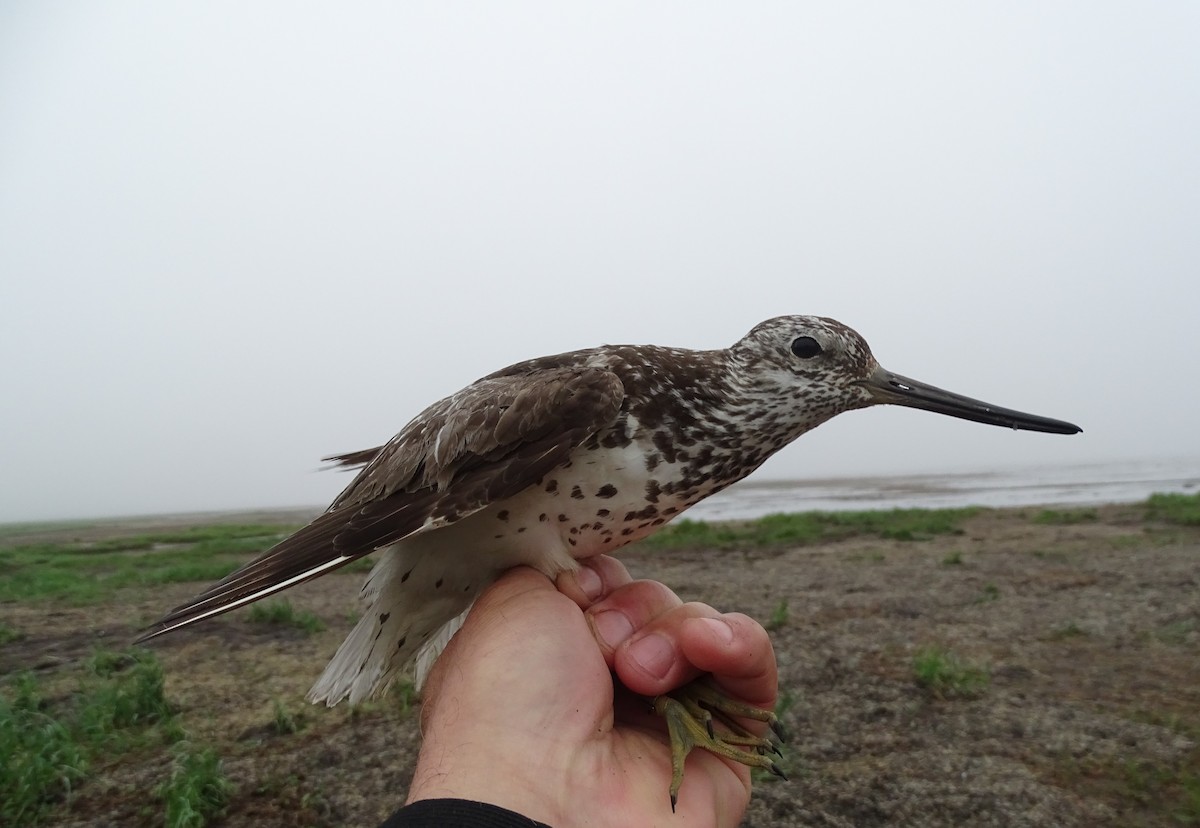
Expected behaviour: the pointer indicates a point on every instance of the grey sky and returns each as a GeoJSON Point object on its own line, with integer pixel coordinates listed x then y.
{"type": "Point", "coordinates": [235, 237]}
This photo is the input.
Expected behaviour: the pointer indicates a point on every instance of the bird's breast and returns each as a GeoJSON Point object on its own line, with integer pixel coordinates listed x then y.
{"type": "Point", "coordinates": [599, 501]}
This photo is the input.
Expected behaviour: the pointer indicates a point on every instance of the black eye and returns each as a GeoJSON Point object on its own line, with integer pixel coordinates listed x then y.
{"type": "Point", "coordinates": [805, 347]}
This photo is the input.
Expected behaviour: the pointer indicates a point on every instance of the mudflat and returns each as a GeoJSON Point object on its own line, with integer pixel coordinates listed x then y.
{"type": "Point", "coordinates": [1017, 667]}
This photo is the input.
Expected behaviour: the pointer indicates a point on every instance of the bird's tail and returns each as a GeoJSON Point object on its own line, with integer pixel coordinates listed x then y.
{"type": "Point", "coordinates": [414, 604]}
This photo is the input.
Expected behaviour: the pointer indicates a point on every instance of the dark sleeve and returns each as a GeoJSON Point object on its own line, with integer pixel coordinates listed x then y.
{"type": "Point", "coordinates": [457, 813]}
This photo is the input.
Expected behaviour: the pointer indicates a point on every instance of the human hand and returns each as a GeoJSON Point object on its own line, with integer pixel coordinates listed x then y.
{"type": "Point", "coordinates": [520, 710]}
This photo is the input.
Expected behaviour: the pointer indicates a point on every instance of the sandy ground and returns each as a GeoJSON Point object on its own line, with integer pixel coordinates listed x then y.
{"type": "Point", "coordinates": [1090, 633]}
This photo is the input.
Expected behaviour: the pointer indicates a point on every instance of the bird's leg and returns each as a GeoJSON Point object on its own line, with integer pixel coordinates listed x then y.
{"type": "Point", "coordinates": [690, 711]}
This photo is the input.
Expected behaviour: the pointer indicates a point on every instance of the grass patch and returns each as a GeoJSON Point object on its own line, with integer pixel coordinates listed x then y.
{"type": "Point", "coordinates": [363, 564]}
{"type": "Point", "coordinates": [786, 701]}
{"type": "Point", "coordinates": [779, 616]}
{"type": "Point", "coordinates": [953, 559]}
{"type": "Point", "coordinates": [1180, 509]}
{"type": "Point", "coordinates": [128, 695]}
{"type": "Point", "coordinates": [1056, 555]}
{"type": "Point", "coordinates": [944, 675]}
{"type": "Point", "coordinates": [1066, 517]}
{"type": "Point", "coordinates": [1141, 791]}
{"type": "Point", "coordinates": [813, 527]}
{"type": "Point", "coordinates": [40, 760]}
{"type": "Point", "coordinates": [45, 748]}
{"type": "Point", "coordinates": [284, 722]}
{"type": "Point", "coordinates": [88, 573]}
{"type": "Point", "coordinates": [1177, 633]}
{"type": "Point", "coordinates": [197, 789]}
{"type": "Point", "coordinates": [990, 593]}
{"type": "Point", "coordinates": [1068, 630]}
{"type": "Point", "coordinates": [9, 634]}
{"type": "Point", "coordinates": [283, 613]}
{"type": "Point", "coordinates": [406, 695]}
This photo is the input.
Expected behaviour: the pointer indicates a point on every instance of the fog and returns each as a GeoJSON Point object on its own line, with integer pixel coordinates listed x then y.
{"type": "Point", "coordinates": [237, 237]}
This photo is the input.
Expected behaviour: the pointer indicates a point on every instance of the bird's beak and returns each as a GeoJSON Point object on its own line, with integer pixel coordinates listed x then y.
{"type": "Point", "coordinates": [886, 387]}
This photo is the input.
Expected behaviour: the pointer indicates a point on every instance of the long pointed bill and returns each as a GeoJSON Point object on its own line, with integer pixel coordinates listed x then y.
{"type": "Point", "coordinates": [886, 387]}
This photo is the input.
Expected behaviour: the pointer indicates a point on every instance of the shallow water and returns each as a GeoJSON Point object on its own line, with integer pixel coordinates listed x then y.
{"type": "Point", "coordinates": [1089, 485]}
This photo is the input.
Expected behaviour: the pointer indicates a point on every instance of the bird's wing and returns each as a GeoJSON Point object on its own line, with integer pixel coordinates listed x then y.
{"type": "Point", "coordinates": [352, 459]}
{"type": "Point", "coordinates": [483, 444]}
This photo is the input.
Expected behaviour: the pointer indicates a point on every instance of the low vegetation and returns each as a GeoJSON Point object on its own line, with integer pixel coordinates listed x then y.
{"type": "Point", "coordinates": [284, 721]}
{"type": "Point", "coordinates": [50, 743]}
{"type": "Point", "coordinates": [813, 527]}
{"type": "Point", "coordinates": [944, 675]}
{"type": "Point", "coordinates": [779, 616]}
{"type": "Point", "coordinates": [196, 790]}
{"type": "Point", "coordinates": [1180, 509]}
{"type": "Point", "coordinates": [41, 759]}
{"type": "Point", "coordinates": [282, 612]}
{"type": "Point", "coordinates": [8, 634]}
{"type": "Point", "coordinates": [1065, 517]}
{"type": "Point", "coordinates": [83, 573]}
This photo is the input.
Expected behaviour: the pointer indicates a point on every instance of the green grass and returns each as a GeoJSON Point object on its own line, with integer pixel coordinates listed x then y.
{"type": "Point", "coordinates": [1056, 555]}
{"type": "Point", "coordinates": [1066, 517]}
{"type": "Point", "coordinates": [9, 634]}
{"type": "Point", "coordinates": [785, 702]}
{"type": "Point", "coordinates": [953, 559]}
{"type": "Point", "coordinates": [40, 760]}
{"type": "Point", "coordinates": [813, 527]}
{"type": "Point", "coordinates": [282, 612]}
{"type": "Point", "coordinates": [1177, 633]}
{"type": "Point", "coordinates": [1173, 787]}
{"type": "Point", "coordinates": [1068, 630]}
{"type": "Point", "coordinates": [406, 695]}
{"type": "Point", "coordinates": [945, 675]}
{"type": "Point", "coordinates": [8, 530]}
{"type": "Point", "coordinates": [779, 616]}
{"type": "Point", "coordinates": [88, 573]}
{"type": "Point", "coordinates": [363, 564]}
{"type": "Point", "coordinates": [991, 592]}
{"type": "Point", "coordinates": [197, 789]}
{"type": "Point", "coordinates": [46, 746]}
{"type": "Point", "coordinates": [1180, 509]}
{"type": "Point", "coordinates": [129, 694]}
{"type": "Point", "coordinates": [284, 722]}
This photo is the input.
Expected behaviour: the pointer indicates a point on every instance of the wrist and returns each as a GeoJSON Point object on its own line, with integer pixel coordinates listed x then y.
{"type": "Point", "coordinates": [496, 769]}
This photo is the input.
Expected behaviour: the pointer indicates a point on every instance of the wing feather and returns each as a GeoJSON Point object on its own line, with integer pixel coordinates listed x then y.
{"type": "Point", "coordinates": [488, 442]}
{"type": "Point", "coordinates": [352, 459]}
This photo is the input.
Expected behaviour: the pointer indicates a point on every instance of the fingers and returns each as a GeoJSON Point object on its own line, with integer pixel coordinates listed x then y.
{"type": "Point", "coordinates": [595, 578]}
{"type": "Point", "coordinates": [737, 650]}
{"type": "Point", "coordinates": [629, 609]}
{"type": "Point", "coordinates": [656, 643]}
{"type": "Point", "coordinates": [691, 639]}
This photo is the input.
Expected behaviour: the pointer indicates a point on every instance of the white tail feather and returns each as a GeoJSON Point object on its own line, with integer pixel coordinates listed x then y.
{"type": "Point", "coordinates": [433, 648]}
{"type": "Point", "coordinates": [414, 605]}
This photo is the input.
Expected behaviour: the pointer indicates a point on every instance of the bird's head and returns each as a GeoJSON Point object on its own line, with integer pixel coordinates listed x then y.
{"type": "Point", "coordinates": [803, 370]}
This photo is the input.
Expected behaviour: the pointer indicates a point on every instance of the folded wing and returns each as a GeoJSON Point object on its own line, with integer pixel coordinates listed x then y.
{"type": "Point", "coordinates": [486, 443]}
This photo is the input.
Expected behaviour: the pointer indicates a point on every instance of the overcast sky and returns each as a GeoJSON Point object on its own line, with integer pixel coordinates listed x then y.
{"type": "Point", "coordinates": [235, 237]}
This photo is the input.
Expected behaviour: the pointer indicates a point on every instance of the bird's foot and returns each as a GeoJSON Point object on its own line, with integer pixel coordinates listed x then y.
{"type": "Point", "coordinates": [690, 712]}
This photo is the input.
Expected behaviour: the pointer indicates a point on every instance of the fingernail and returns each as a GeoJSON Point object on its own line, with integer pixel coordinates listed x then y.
{"type": "Point", "coordinates": [722, 631]}
{"type": "Point", "coordinates": [612, 627]}
{"type": "Point", "coordinates": [589, 581]}
{"type": "Point", "coordinates": [654, 654]}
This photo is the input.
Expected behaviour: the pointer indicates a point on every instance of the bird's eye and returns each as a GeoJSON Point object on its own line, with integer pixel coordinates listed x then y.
{"type": "Point", "coordinates": [805, 347]}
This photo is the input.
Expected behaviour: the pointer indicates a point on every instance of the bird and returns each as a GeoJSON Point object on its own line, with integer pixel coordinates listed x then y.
{"type": "Point", "coordinates": [556, 459]}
